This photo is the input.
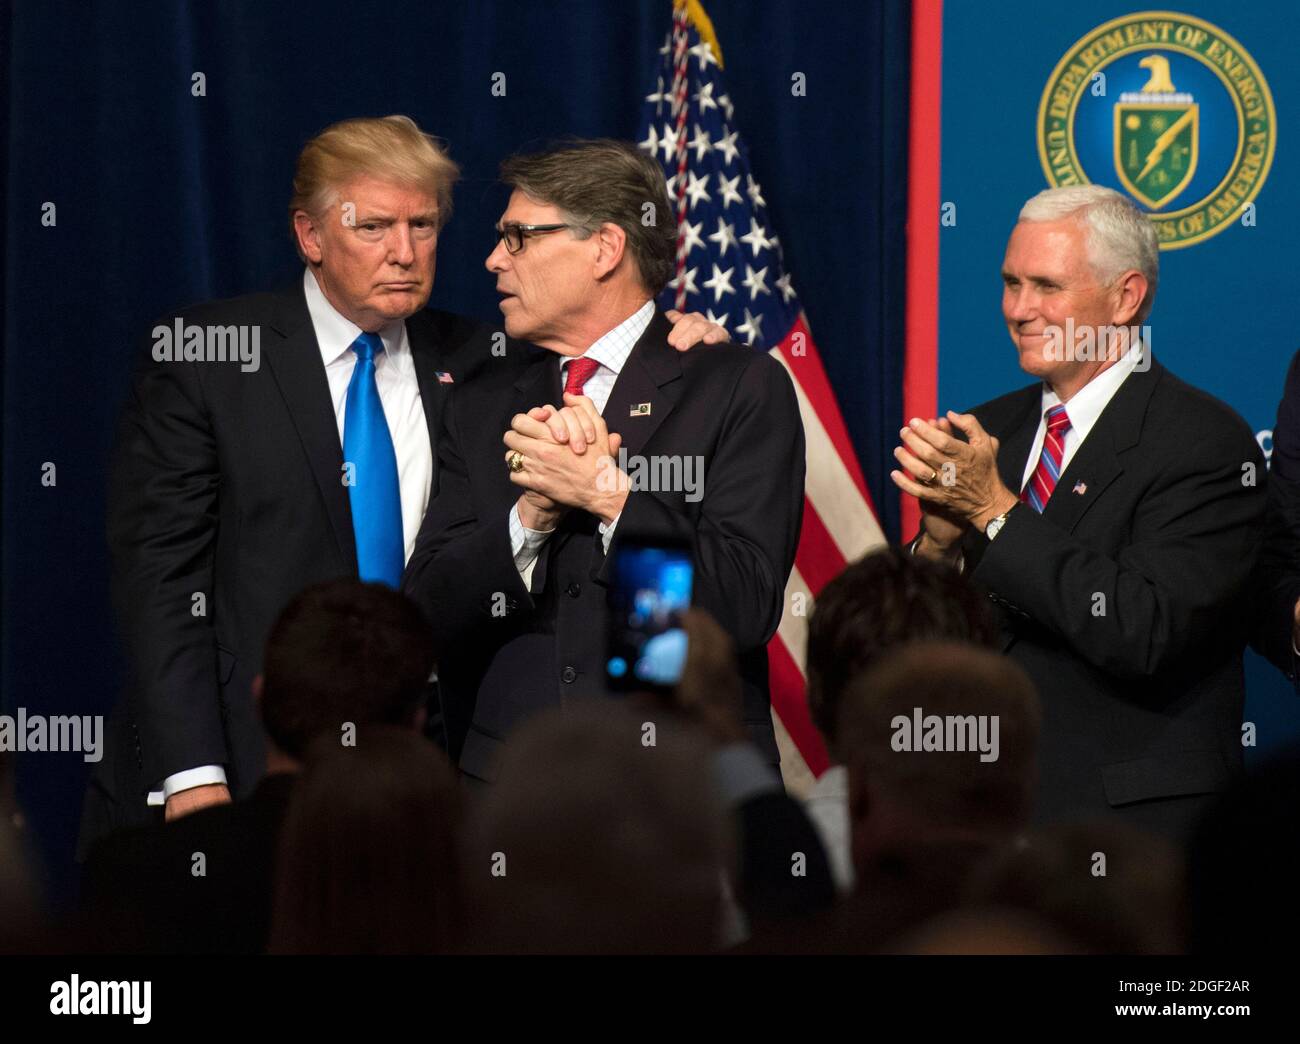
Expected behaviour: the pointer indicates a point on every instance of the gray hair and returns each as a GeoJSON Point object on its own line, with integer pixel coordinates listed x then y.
{"type": "Point", "coordinates": [1120, 237]}
{"type": "Point", "coordinates": [592, 181]}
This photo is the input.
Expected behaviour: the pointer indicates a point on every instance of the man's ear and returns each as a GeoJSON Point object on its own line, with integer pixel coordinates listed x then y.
{"type": "Point", "coordinates": [1132, 291]}
{"type": "Point", "coordinates": [259, 687]}
{"type": "Point", "coordinates": [612, 241]}
{"type": "Point", "coordinates": [308, 234]}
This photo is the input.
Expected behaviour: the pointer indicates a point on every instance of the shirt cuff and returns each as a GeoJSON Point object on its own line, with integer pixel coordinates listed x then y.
{"type": "Point", "coordinates": [607, 532]}
{"type": "Point", "coordinates": [741, 774]}
{"type": "Point", "coordinates": [525, 542]}
{"type": "Point", "coordinates": [203, 776]}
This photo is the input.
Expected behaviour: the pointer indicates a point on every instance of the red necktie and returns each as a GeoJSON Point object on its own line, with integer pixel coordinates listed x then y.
{"type": "Point", "coordinates": [578, 373]}
{"type": "Point", "coordinates": [1041, 483]}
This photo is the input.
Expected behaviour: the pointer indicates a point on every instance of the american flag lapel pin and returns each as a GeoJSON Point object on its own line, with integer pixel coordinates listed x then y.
{"type": "Point", "coordinates": [1080, 487]}
{"type": "Point", "coordinates": [443, 377]}
{"type": "Point", "coordinates": [641, 409]}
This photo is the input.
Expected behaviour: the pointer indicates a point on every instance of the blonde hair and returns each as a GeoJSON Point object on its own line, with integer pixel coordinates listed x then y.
{"type": "Point", "coordinates": [391, 148]}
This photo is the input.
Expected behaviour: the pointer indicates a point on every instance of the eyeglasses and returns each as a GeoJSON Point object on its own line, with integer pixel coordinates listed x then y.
{"type": "Point", "coordinates": [513, 233]}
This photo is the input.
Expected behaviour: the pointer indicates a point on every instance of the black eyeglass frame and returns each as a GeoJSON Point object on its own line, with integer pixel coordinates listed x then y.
{"type": "Point", "coordinates": [518, 232]}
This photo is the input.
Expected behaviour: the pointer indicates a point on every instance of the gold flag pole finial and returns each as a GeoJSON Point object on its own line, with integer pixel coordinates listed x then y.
{"type": "Point", "coordinates": [696, 15]}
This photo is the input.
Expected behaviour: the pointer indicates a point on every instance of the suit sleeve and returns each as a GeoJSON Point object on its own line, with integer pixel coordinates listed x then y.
{"type": "Point", "coordinates": [462, 572]}
{"type": "Point", "coordinates": [748, 526]}
{"type": "Point", "coordinates": [1176, 585]}
{"type": "Point", "coordinates": [162, 525]}
{"type": "Point", "coordinates": [1277, 582]}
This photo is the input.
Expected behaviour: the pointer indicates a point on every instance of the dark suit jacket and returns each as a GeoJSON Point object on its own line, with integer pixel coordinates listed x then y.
{"type": "Point", "coordinates": [228, 484]}
{"type": "Point", "coordinates": [1278, 578]}
{"type": "Point", "coordinates": [733, 406]}
{"type": "Point", "coordinates": [1127, 599]}
{"type": "Point", "coordinates": [140, 895]}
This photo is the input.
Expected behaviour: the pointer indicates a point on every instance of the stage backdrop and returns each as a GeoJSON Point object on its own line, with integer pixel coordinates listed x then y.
{"type": "Point", "coordinates": [164, 136]}
{"type": "Point", "coordinates": [1022, 103]}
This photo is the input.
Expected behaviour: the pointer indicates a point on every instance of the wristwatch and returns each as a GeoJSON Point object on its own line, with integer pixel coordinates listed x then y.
{"type": "Point", "coordinates": [995, 524]}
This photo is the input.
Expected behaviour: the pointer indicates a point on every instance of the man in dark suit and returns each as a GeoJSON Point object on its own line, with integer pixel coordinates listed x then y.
{"type": "Point", "coordinates": [1277, 629]}
{"type": "Point", "coordinates": [270, 442]}
{"type": "Point", "coordinates": [1122, 568]}
{"type": "Point", "coordinates": [342, 656]}
{"type": "Point", "coordinates": [512, 564]}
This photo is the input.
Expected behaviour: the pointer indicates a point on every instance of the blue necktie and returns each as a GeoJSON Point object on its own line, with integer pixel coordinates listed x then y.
{"type": "Point", "coordinates": [374, 494]}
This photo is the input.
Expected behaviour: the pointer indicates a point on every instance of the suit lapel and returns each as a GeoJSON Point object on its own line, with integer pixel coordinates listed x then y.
{"type": "Point", "coordinates": [1013, 453]}
{"type": "Point", "coordinates": [644, 394]}
{"type": "Point", "coordinates": [1098, 462]}
{"type": "Point", "coordinates": [539, 383]}
{"type": "Point", "coordinates": [1014, 427]}
{"type": "Point", "coordinates": [433, 393]}
{"type": "Point", "coordinates": [298, 370]}
{"type": "Point", "coordinates": [647, 388]}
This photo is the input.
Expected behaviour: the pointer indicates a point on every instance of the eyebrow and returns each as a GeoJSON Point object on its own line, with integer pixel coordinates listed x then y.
{"type": "Point", "coordinates": [375, 219]}
{"type": "Point", "coordinates": [1008, 276]}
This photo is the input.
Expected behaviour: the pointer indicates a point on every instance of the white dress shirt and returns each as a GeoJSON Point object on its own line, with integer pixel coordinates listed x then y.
{"type": "Point", "coordinates": [1083, 409]}
{"type": "Point", "coordinates": [827, 805]}
{"type": "Point", "coordinates": [611, 351]}
{"type": "Point", "coordinates": [399, 392]}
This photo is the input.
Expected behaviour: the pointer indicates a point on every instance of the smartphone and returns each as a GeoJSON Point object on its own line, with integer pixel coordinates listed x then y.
{"type": "Point", "coordinates": [651, 588]}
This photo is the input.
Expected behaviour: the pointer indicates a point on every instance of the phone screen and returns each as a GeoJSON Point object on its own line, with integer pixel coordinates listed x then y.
{"type": "Point", "coordinates": [651, 588]}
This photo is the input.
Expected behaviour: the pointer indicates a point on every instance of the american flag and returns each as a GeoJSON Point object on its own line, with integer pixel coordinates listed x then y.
{"type": "Point", "coordinates": [730, 267]}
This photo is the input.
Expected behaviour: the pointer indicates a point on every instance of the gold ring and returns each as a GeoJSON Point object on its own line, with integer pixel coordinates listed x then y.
{"type": "Point", "coordinates": [516, 462]}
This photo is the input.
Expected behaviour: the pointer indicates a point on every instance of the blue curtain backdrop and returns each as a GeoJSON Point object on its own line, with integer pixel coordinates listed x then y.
{"type": "Point", "coordinates": [164, 198]}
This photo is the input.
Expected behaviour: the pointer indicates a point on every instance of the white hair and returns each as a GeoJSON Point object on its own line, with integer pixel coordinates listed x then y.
{"type": "Point", "coordinates": [1120, 237]}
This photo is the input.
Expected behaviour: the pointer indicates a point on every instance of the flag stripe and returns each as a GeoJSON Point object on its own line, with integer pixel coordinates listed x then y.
{"type": "Point", "coordinates": [845, 512]}
{"type": "Point", "coordinates": [817, 558]}
{"type": "Point", "coordinates": [788, 701]}
{"type": "Point", "coordinates": [811, 375]}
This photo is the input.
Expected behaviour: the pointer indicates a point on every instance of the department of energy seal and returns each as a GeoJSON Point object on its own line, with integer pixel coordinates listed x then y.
{"type": "Point", "coordinates": [1167, 108]}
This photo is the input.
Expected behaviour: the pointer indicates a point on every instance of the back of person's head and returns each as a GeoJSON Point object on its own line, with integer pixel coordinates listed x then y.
{"type": "Point", "coordinates": [602, 835]}
{"type": "Point", "coordinates": [1105, 885]}
{"type": "Point", "coordinates": [368, 857]}
{"type": "Point", "coordinates": [1243, 862]}
{"type": "Point", "coordinates": [875, 605]}
{"type": "Point", "coordinates": [940, 739]}
{"type": "Point", "coordinates": [343, 652]}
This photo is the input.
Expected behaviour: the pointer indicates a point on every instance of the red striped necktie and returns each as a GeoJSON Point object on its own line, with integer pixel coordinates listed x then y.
{"type": "Point", "coordinates": [1041, 483]}
{"type": "Point", "coordinates": [578, 372]}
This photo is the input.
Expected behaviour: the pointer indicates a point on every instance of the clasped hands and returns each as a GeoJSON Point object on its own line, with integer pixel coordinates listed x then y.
{"type": "Point", "coordinates": [568, 461]}
{"type": "Point", "coordinates": [956, 482]}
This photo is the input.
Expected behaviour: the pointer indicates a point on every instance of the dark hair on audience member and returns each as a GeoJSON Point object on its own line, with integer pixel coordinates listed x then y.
{"type": "Point", "coordinates": [591, 181]}
{"type": "Point", "coordinates": [343, 651]}
{"type": "Point", "coordinates": [951, 789]}
{"type": "Point", "coordinates": [368, 857]}
{"type": "Point", "coordinates": [612, 847]}
{"type": "Point", "coordinates": [1133, 904]}
{"type": "Point", "coordinates": [877, 603]}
